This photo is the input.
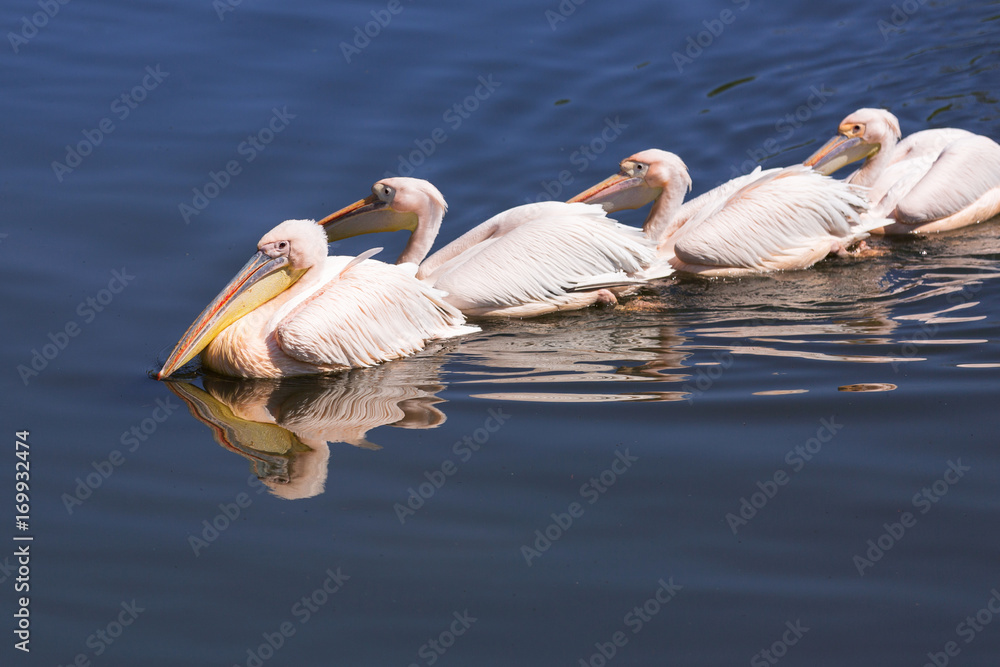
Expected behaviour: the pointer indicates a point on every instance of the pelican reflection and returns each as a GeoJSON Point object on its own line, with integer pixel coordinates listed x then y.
{"type": "Point", "coordinates": [284, 427]}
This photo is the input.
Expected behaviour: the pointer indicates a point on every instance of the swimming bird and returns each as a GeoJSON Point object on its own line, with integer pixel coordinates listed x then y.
{"type": "Point", "coordinates": [526, 261]}
{"type": "Point", "coordinates": [291, 310]}
{"type": "Point", "coordinates": [788, 218]}
{"type": "Point", "coordinates": [932, 181]}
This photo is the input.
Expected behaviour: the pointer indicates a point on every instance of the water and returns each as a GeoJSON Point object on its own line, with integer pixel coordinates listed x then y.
{"type": "Point", "coordinates": [746, 438]}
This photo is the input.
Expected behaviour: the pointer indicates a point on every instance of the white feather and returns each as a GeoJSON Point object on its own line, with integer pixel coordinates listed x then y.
{"type": "Point", "coordinates": [781, 220]}
{"type": "Point", "coordinates": [365, 315]}
{"type": "Point", "coordinates": [538, 253]}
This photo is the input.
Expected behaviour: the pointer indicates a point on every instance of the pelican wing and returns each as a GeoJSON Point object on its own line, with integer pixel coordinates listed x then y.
{"type": "Point", "coordinates": [716, 196]}
{"type": "Point", "coordinates": [784, 215]}
{"type": "Point", "coordinates": [538, 253]}
{"type": "Point", "coordinates": [364, 314]}
{"type": "Point", "coordinates": [895, 181]}
{"type": "Point", "coordinates": [928, 143]}
{"type": "Point", "coordinates": [963, 172]}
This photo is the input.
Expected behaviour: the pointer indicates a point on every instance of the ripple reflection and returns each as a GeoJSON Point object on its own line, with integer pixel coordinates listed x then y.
{"type": "Point", "coordinates": [283, 428]}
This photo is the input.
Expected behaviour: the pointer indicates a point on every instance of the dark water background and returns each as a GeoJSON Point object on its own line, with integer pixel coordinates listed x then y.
{"type": "Point", "coordinates": [682, 405]}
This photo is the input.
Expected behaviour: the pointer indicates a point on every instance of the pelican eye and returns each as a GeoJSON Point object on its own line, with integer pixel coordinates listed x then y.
{"type": "Point", "coordinates": [283, 245]}
{"type": "Point", "coordinates": [632, 168]}
{"type": "Point", "coordinates": [385, 193]}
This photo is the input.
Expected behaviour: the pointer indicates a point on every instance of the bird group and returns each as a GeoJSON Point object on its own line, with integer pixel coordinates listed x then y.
{"type": "Point", "coordinates": [292, 310]}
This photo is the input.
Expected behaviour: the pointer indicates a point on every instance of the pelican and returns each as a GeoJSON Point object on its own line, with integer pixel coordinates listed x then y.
{"type": "Point", "coordinates": [787, 218]}
{"type": "Point", "coordinates": [526, 261]}
{"type": "Point", "coordinates": [931, 181]}
{"type": "Point", "coordinates": [291, 310]}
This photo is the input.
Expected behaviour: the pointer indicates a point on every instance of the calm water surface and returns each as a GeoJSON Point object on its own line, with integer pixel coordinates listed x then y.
{"type": "Point", "coordinates": [803, 464]}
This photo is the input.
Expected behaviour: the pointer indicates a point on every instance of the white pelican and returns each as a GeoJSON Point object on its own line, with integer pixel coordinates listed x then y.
{"type": "Point", "coordinates": [931, 181]}
{"type": "Point", "coordinates": [786, 218]}
{"type": "Point", "coordinates": [291, 310]}
{"type": "Point", "coordinates": [527, 261]}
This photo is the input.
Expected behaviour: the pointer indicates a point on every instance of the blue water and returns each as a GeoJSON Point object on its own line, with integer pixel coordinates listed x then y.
{"type": "Point", "coordinates": [689, 479]}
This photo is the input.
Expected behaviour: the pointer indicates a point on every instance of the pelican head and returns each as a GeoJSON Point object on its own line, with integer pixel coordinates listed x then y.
{"type": "Point", "coordinates": [395, 204]}
{"type": "Point", "coordinates": [283, 256]}
{"type": "Point", "coordinates": [860, 136]}
{"type": "Point", "coordinates": [641, 178]}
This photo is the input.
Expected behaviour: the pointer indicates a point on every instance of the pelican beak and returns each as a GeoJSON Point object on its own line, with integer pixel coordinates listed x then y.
{"type": "Point", "coordinates": [841, 150]}
{"type": "Point", "coordinates": [366, 216]}
{"type": "Point", "coordinates": [260, 280]}
{"type": "Point", "coordinates": [619, 192]}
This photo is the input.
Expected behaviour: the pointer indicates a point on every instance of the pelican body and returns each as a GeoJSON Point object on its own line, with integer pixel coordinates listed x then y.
{"type": "Point", "coordinates": [291, 310]}
{"type": "Point", "coordinates": [526, 261]}
{"type": "Point", "coordinates": [932, 181]}
{"type": "Point", "coordinates": [780, 219]}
